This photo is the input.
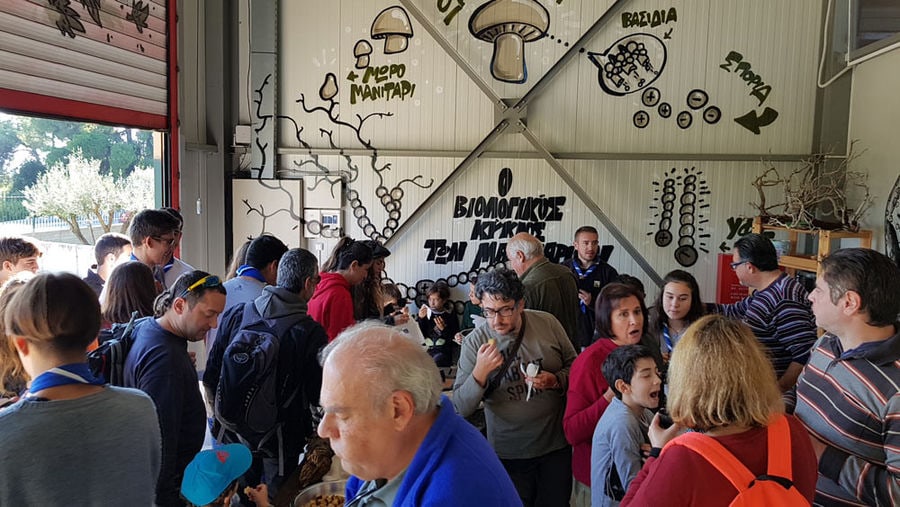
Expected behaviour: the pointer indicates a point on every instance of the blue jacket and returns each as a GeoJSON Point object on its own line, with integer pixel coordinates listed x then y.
{"type": "Point", "coordinates": [454, 466]}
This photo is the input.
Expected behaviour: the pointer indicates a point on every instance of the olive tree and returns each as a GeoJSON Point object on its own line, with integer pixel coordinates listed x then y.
{"type": "Point", "coordinates": [78, 190]}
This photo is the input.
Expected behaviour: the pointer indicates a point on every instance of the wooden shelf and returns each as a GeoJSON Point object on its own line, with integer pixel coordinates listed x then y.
{"type": "Point", "coordinates": [793, 261]}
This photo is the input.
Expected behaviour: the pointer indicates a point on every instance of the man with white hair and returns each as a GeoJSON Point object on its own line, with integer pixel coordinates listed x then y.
{"type": "Point", "coordinates": [399, 438]}
{"type": "Point", "coordinates": [549, 287]}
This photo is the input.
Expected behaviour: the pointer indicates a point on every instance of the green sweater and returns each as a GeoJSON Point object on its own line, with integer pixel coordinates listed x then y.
{"type": "Point", "coordinates": [552, 288]}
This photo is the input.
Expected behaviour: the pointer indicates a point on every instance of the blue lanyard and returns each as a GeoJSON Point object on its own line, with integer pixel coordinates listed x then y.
{"type": "Point", "coordinates": [581, 276]}
{"type": "Point", "coordinates": [246, 270]}
{"type": "Point", "coordinates": [667, 338]}
{"type": "Point", "coordinates": [76, 373]}
{"type": "Point", "coordinates": [165, 269]}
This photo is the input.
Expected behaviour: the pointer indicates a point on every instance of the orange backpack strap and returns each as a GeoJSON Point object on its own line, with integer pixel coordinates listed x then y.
{"type": "Point", "coordinates": [718, 456]}
{"type": "Point", "coordinates": [779, 436]}
{"type": "Point", "coordinates": [780, 468]}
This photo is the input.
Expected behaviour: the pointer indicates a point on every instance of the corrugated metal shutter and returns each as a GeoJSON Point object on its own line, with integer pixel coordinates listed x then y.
{"type": "Point", "coordinates": [94, 60]}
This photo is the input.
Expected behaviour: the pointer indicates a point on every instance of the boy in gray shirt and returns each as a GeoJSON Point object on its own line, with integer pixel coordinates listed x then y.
{"type": "Point", "coordinates": [616, 447]}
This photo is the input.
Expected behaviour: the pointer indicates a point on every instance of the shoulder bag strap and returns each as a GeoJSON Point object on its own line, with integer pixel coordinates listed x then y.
{"type": "Point", "coordinates": [495, 380]}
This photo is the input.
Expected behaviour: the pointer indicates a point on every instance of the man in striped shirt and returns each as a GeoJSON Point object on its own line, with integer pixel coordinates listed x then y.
{"type": "Point", "coordinates": [778, 312]}
{"type": "Point", "coordinates": [847, 396]}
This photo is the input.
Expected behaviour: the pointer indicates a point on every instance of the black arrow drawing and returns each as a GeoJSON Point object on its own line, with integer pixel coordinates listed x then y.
{"type": "Point", "coordinates": [668, 35]}
{"type": "Point", "coordinates": [724, 248]}
{"type": "Point", "coordinates": [752, 122]}
{"type": "Point", "coordinates": [352, 76]}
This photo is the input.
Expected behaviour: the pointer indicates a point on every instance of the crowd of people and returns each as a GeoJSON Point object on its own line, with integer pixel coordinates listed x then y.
{"type": "Point", "coordinates": [588, 397]}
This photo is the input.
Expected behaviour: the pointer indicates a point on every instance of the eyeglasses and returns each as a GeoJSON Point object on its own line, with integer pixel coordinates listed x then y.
{"type": "Point", "coordinates": [168, 242]}
{"type": "Point", "coordinates": [734, 265]}
{"type": "Point", "coordinates": [506, 311]}
{"type": "Point", "coordinates": [205, 283]}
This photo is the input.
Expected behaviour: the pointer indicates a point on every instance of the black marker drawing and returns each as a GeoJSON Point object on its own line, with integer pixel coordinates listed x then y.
{"type": "Point", "coordinates": [139, 14]}
{"type": "Point", "coordinates": [329, 88]}
{"type": "Point", "coordinates": [735, 63]}
{"type": "Point", "coordinates": [93, 8]}
{"type": "Point", "coordinates": [508, 25]}
{"type": "Point", "coordinates": [329, 176]}
{"type": "Point", "coordinates": [641, 119]}
{"type": "Point", "coordinates": [390, 197]}
{"type": "Point", "coordinates": [692, 206]}
{"type": "Point", "coordinates": [650, 19]}
{"type": "Point", "coordinates": [697, 99]}
{"type": "Point", "coordinates": [392, 25]}
{"type": "Point", "coordinates": [712, 115]}
{"type": "Point", "coordinates": [260, 209]}
{"type": "Point", "coordinates": [650, 97]}
{"type": "Point", "coordinates": [631, 64]}
{"type": "Point", "coordinates": [752, 122]}
{"type": "Point", "coordinates": [69, 20]}
{"type": "Point", "coordinates": [664, 110]}
{"type": "Point", "coordinates": [892, 224]}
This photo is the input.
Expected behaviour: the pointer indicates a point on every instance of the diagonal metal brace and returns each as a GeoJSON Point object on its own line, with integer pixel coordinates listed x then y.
{"type": "Point", "coordinates": [589, 202]}
{"type": "Point", "coordinates": [448, 181]}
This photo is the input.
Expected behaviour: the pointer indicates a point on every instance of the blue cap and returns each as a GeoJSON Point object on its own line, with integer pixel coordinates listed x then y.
{"type": "Point", "coordinates": [210, 472]}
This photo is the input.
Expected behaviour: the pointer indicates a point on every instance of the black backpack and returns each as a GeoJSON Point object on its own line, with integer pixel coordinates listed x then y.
{"type": "Point", "coordinates": [252, 394]}
{"type": "Point", "coordinates": [108, 359]}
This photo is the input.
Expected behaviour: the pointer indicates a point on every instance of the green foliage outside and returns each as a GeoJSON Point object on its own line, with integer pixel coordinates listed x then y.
{"type": "Point", "coordinates": [71, 170]}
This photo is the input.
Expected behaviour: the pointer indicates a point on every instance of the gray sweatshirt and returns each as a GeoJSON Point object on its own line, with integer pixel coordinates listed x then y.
{"type": "Point", "coordinates": [519, 429]}
{"type": "Point", "coordinates": [617, 440]}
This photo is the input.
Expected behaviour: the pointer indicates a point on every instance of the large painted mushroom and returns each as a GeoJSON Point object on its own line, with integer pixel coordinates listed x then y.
{"type": "Point", "coordinates": [509, 24]}
{"type": "Point", "coordinates": [392, 25]}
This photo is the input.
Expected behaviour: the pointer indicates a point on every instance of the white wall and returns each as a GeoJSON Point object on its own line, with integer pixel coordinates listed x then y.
{"type": "Point", "coordinates": [585, 120]}
{"type": "Point", "coordinates": [874, 121]}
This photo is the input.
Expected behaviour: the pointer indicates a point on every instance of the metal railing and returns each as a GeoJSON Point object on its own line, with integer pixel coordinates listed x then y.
{"type": "Point", "coordinates": [14, 218]}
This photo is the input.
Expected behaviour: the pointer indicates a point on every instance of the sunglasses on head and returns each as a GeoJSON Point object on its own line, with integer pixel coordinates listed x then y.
{"type": "Point", "coordinates": [204, 283]}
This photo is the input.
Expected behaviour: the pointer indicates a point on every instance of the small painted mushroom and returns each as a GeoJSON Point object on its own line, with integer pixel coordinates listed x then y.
{"type": "Point", "coordinates": [392, 25]}
{"type": "Point", "coordinates": [329, 88]}
{"type": "Point", "coordinates": [509, 24]}
{"type": "Point", "coordinates": [361, 52]}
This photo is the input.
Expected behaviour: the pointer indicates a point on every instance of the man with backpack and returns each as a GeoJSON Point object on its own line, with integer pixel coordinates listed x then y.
{"type": "Point", "coordinates": [264, 374]}
{"type": "Point", "coordinates": [158, 363]}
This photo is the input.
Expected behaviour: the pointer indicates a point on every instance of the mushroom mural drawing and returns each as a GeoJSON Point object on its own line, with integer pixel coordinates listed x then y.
{"type": "Point", "coordinates": [630, 64]}
{"type": "Point", "coordinates": [361, 52]}
{"type": "Point", "coordinates": [329, 88]}
{"type": "Point", "coordinates": [508, 25]}
{"type": "Point", "coordinates": [392, 25]}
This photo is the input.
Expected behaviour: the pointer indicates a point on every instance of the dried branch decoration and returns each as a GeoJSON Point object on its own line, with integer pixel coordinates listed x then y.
{"type": "Point", "coordinates": [817, 188]}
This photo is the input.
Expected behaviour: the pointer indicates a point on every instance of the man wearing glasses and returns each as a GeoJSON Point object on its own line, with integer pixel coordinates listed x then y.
{"type": "Point", "coordinates": [154, 238]}
{"type": "Point", "coordinates": [519, 366]}
{"type": "Point", "coordinates": [159, 364]}
{"type": "Point", "coordinates": [778, 311]}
